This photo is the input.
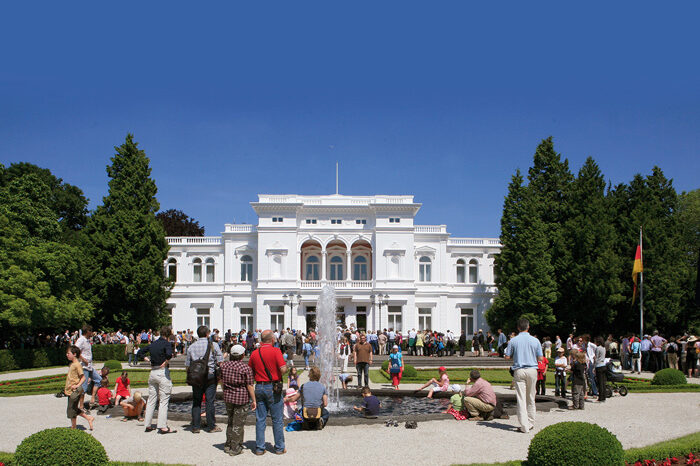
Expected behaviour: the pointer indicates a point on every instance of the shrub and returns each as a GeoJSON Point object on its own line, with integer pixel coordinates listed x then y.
{"type": "Point", "coordinates": [60, 446]}
{"type": "Point", "coordinates": [385, 366]}
{"type": "Point", "coordinates": [114, 366]}
{"type": "Point", "coordinates": [7, 361]}
{"type": "Point", "coordinates": [669, 377]}
{"type": "Point", "coordinates": [410, 371]}
{"type": "Point", "coordinates": [575, 444]}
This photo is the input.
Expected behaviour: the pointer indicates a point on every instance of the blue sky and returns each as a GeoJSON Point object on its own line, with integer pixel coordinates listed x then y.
{"type": "Point", "coordinates": [440, 100]}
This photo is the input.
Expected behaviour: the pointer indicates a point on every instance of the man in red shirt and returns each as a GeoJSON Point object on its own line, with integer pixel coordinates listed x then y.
{"type": "Point", "coordinates": [268, 366]}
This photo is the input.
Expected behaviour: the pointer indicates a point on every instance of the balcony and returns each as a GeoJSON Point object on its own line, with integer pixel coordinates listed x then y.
{"type": "Point", "coordinates": [185, 240]}
{"type": "Point", "coordinates": [338, 284]}
{"type": "Point", "coordinates": [474, 242]}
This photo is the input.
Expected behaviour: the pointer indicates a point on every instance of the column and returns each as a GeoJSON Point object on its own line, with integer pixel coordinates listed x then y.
{"type": "Point", "coordinates": [324, 256]}
{"type": "Point", "coordinates": [299, 274]}
{"type": "Point", "coordinates": [348, 263]}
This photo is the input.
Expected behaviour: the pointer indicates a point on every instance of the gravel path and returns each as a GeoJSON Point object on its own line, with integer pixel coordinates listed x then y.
{"type": "Point", "coordinates": [441, 442]}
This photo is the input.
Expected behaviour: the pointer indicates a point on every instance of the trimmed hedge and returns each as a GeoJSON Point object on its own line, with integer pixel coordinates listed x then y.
{"type": "Point", "coordinates": [60, 446]}
{"type": "Point", "coordinates": [575, 444]}
{"type": "Point", "coordinates": [114, 366]}
{"type": "Point", "coordinates": [668, 449]}
{"type": "Point", "coordinates": [669, 377]}
{"type": "Point", "coordinates": [13, 359]}
{"type": "Point", "coordinates": [408, 370]}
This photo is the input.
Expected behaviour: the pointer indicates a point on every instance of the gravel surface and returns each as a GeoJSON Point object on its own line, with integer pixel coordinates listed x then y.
{"type": "Point", "coordinates": [439, 442]}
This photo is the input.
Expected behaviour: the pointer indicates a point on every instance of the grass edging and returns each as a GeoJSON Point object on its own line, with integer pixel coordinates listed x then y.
{"type": "Point", "coordinates": [676, 447]}
{"type": "Point", "coordinates": [7, 458]}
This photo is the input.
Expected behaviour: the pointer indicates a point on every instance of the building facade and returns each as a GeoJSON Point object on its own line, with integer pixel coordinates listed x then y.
{"type": "Point", "coordinates": [387, 272]}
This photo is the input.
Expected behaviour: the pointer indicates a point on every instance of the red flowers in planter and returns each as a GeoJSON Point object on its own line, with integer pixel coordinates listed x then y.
{"type": "Point", "coordinates": [691, 460]}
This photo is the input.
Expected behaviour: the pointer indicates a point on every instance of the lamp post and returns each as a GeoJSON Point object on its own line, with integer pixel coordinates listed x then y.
{"type": "Point", "coordinates": [290, 299]}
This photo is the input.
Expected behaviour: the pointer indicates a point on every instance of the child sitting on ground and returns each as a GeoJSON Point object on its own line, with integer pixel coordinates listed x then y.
{"type": "Point", "coordinates": [370, 404]}
{"type": "Point", "coordinates": [122, 390]}
{"type": "Point", "coordinates": [133, 407]}
{"type": "Point", "coordinates": [345, 379]}
{"type": "Point", "coordinates": [456, 406]}
{"type": "Point", "coordinates": [104, 396]}
{"type": "Point", "coordinates": [290, 407]}
{"type": "Point", "coordinates": [578, 386]}
{"type": "Point", "coordinates": [541, 376]}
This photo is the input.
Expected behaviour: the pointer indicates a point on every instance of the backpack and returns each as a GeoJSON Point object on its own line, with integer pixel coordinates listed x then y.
{"type": "Point", "coordinates": [198, 370]}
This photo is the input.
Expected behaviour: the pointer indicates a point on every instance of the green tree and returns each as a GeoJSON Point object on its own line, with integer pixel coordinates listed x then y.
{"type": "Point", "coordinates": [177, 223]}
{"type": "Point", "coordinates": [590, 285]}
{"type": "Point", "coordinates": [524, 272]}
{"type": "Point", "coordinates": [127, 246]}
{"type": "Point", "coordinates": [689, 223]}
{"type": "Point", "coordinates": [41, 281]}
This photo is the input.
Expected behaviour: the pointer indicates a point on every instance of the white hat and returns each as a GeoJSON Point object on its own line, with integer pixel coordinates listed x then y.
{"type": "Point", "coordinates": [237, 350]}
{"type": "Point", "coordinates": [395, 347]}
{"type": "Point", "coordinates": [456, 388]}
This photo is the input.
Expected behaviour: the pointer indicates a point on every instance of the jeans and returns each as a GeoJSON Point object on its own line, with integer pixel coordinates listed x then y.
{"type": "Point", "coordinates": [306, 360]}
{"type": "Point", "coordinates": [645, 360]}
{"type": "Point", "coordinates": [362, 370]}
{"type": "Point", "coordinates": [197, 394]}
{"type": "Point", "coordinates": [559, 385]}
{"type": "Point", "coordinates": [591, 380]}
{"type": "Point", "coordinates": [159, 388]}
{"type": "Point", "coordinates": [274, 404]}
{"type": "Point", "coordinates": [95, 376]}
{"type": "Point", "coordinates": [132, 359]}
{"type": "Point", "coordinates": [375, 346]}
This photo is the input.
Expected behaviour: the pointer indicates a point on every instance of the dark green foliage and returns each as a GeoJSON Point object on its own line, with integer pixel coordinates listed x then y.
{"type": "Point", "coordinates": [408, 371]}
{"type": "Point", "coordinates": [114, 366]}
{"type": "Point", "coordinates": [127, 246]}
{"type": "Point", "coordinates": [689, 219]}
{"type": "Point", "coordinates": [60, 446]}
{"type": "Point", "coordinates": [11, 359]}
{"type": "Point", "coordinates": [669, 377]}
{"type": "Point", "coordinates": [177, 223]}
{"type": "Point", "coordinates": [574, 444]}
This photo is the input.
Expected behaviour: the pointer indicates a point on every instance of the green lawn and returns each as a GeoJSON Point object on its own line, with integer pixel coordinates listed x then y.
{"type": "Point", "coordinates": [6, 458]}
{"type": "Point", "coordinates": [502, 377]}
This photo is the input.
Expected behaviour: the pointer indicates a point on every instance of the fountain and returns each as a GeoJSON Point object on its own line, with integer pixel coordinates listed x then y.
{"type": "Point", "coordinates": [328, 340]}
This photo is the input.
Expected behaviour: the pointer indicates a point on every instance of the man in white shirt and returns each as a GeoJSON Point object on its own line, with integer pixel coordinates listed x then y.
{"type": "Point", "coordinates": [412, 342]}
{"type": "Point", "coordinates": [83, 342]}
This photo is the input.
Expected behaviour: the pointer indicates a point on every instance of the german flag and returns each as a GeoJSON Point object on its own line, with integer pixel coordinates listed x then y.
{"type": "Point", "coordinates": [636, 269]}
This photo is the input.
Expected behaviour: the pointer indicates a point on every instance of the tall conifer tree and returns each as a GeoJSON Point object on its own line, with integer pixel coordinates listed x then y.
{"type": "Point", "coordinates": [127, 245]}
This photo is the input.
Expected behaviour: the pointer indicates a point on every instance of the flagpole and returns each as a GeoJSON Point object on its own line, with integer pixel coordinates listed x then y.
{"type": "Point", "coordinates": [641, 288]}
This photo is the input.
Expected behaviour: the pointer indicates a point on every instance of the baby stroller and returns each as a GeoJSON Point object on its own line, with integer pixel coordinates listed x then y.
{"type": "Point", "coordinates": [614, 378]}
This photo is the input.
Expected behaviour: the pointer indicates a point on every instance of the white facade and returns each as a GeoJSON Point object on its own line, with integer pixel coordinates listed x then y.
{"type": "Point", "coordinates": [387, 272]}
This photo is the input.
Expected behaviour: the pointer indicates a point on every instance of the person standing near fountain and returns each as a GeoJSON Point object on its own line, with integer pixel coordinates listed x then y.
{"type": "Point", "coordinates": [526, 352]}
{"type": "Point", "coordinates": [362, 355]}
{"type": "Point", "coordinates": [395, 366]}
{"type": "Point", "coordinates": [268, 366]}
{"type": "Point", "coordinates": [237, 382]}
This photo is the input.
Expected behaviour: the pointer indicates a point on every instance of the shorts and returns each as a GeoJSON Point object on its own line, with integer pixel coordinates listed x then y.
{"type": "Point", "coordinates": [74, 408]}
{"type": "Point", "coordinates": [91, 374]}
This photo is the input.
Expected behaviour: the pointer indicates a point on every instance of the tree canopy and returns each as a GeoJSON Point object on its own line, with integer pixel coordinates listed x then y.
{"type": "Point", "coordinates": [177, 223]}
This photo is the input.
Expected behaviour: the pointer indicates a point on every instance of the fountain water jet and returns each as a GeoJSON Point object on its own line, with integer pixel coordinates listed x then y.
{"type": "Point", "coordinates": [327, 340]}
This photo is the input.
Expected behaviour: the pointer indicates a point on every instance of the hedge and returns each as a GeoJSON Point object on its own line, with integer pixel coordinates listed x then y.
{"type": "Point", "coordinates": [669, 377]}
{"type": "Point", "coordinates": [60, 446]}
{"type": "Point", "coordinates": [668, 449]}
{"type": "Point", "coordinates": [575, 444]}
{"type": "Point", "coordinates": [33, 358]}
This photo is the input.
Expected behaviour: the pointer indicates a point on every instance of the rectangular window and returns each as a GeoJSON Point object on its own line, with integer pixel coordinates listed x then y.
{"type": "Point", "coordinates": [394, 220]}
{"type": "Point", "coordinates": [277, 219]}
{"type": "Point", "coordinates": [394, 315]}
{"type": "Point", "coordinates": [276, 317]}
{"type": "Point", "coordinates": [246, 318]}
{"type": "Point", "coordinates": [425, 318]}
{"type": "Point", "coordinates": [203, 317]}
{"type": "Point", "coordinates": [467, 318]}
{"type": "Point", "coordinates": [311, 221]}
{"type": "Point", "coordinates": [362, 317]}
{"type": "Point", "coordinates": [246, 272]}
{"type": "Point", "coordinates": [361, 221]}
{"type": "Point", "coordinates": [336, 221]}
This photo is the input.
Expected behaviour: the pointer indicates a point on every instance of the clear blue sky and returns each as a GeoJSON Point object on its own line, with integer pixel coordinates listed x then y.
{"type": "Point", "coordinates": [443, 100]}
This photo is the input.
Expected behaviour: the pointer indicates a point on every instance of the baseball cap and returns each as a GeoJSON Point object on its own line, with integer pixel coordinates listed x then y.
{"type": "Point", "coordinates": [442, 368]}
{"type": "Point", "coordinates": [237, 350]}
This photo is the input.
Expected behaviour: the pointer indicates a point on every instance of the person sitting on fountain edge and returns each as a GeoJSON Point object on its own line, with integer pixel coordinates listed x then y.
{"type": "Point", "coordinates": [313, 396]}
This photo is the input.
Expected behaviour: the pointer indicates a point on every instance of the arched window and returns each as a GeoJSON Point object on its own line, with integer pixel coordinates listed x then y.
{"type": "Point", "coordinates": [312, 268]}
{"type": "Point", "coordinates": [171, 270]}
{"type": "Point", "coordinates": [473, 271]}
{"type": "Point", "coordinates": [210, 269]}
{"type": "Point", "coordinates": [197, 270]}
{"type": "Point", "coordinates": [359, 268]}
{"type": "Point", "coordinates": [336, 268]}
{"type": "Point", "coordinates": [424, 269]}
{"type": "Point", "coordinates": [461, 271]}
{"type": "Point", "coordinates": [246, 269]}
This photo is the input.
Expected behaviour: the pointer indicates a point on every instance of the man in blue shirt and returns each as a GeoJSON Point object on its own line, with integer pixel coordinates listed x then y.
{"type": "Point", "coordinates": [646, 351]}
{"type": "Point", "coordinates": [502, 340]}
{"type": "Point", "coordinates": [525, 351]}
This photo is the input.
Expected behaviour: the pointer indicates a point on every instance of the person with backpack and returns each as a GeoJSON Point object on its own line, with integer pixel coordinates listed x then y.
{"type": "Point", "coordinates": [636, 352]}
{"type": "Point", "coordinates": [201, 362]}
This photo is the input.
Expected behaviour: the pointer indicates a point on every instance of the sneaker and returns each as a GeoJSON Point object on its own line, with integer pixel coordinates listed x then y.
{"type": "Point", "coordinates": [259, 452]}
{"type": "Point", "coordinates": [214, 429]}
{"type": "Point", "coordinates": [280, 452]}
{"type": "Point", "coordinates": [195, 430]}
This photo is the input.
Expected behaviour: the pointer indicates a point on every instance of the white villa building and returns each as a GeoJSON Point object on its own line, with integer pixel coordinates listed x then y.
{"type": "Point", "coordinates": [387, 272]}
